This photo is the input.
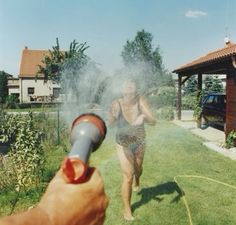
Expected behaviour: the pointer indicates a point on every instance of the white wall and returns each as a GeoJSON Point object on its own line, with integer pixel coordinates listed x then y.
{"type": "Point", "coordinates": [13, 90]}
{"type": "Point", "coordinates": [40, 88]}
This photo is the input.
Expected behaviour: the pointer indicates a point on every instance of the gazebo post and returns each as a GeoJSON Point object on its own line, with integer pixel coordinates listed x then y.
{"type": "Point", "coordinates": [199, 88]}
{"type": "Point", "coordinates": [179, 100]}
{"type": "Point", "coordinates": [230, 102]}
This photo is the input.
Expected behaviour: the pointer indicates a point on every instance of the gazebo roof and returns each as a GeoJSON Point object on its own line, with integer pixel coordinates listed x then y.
{"type": "Point", "coordinates": [202, 64]}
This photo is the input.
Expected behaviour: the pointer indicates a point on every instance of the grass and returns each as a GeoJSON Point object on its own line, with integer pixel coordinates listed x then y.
{"type": "Point", "coordinates": [171, 151]}
{"type": "Point", "coordinates": [33, 109]}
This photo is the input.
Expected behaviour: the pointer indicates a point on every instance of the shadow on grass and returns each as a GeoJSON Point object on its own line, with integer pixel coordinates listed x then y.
{"type": "Point", "coordinates": [156, 192]}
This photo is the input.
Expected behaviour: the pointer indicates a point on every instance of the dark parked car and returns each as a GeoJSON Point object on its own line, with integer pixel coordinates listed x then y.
{"type": "Point", "coordinates": [214, 110]}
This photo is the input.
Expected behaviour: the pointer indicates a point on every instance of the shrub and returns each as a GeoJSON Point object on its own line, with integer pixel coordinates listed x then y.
{"type": "Point", "coordinates": [24, 105]}
{"type": "Point", "coordinates": [193, 102]}
{"type": "Point", "coordinates": [8, 178]}
{"type": "Point", "coordinates": [188, 102]}
{"type": "Point", "coordinates": [166, 96]}
{"type": "Point", "coordinates": [52, 133]}
{"type": "Point", "coordinates": [166, 113]}
{"type": "Point", "coordinates": [230, 140]}
{"type": "Point", "coordinates": [197, 105]}
{"type": "Point", "coordinates": [26, 157]}
{"type": "Point", "coordinates": [11, 102]}
{"type": "Point", "coordinates": [8, 127]}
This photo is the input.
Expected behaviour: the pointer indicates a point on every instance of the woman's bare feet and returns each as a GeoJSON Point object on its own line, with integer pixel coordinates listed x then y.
{"type": "Point", "coordinates": [128, 216]}
{"type": "Point", "coordinates": [135, 188]}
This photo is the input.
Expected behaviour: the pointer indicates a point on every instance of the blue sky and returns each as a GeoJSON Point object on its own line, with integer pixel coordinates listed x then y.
{"type": "Point", "coordinates": [183, 29]}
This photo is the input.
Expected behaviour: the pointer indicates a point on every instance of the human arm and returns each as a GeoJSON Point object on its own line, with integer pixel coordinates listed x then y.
{"type": "Point", "coordinates": [67, 204]}
{"type": "Point", "coordinates": [35, 216]}
{"type": "Point", "coordinates": [114, 112]}
{"type": "Point", "coordinates": [146, 112]}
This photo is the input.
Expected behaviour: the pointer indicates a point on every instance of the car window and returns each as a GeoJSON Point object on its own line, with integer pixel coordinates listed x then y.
{"type": "Point", "coordinates": [220, 99]}
{"type": "Point", "coordinates": [210, 100]}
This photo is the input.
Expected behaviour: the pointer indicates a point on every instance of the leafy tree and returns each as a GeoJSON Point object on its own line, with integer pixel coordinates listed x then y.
{"type": "Point", "coordinates": [140, 49]}
{"type": "Point", "coordinates": [166, 96]}
{"type": "Point", "coordinates": [3, 86]}
{"type": "Point", "coordinates": [52, 64]}
{"type": "Point", "coordinates": [78, 76]}
{"type": "Point", "coordinates": [208, 83]}
{"type": "Point", "coordinates": [57, 61]}
{"type": "Point", "coordinates": [191, 85]}
{"type": "Point", "coordinates": [141, 58]}
{"type": "Point", "coordinates": [167, 79]}
{"type": "Point", "coordinates": [217, 85]}
{"type": "Point", "coordinates": [213, 84]}
{"type": "Point", "coordinates": [11, 102]}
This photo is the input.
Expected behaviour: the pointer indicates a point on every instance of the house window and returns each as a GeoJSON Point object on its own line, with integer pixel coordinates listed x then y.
{"type": "Point", "coordinates": [56, 92]}
{"type": "Point", "coordinates": [30, 90]}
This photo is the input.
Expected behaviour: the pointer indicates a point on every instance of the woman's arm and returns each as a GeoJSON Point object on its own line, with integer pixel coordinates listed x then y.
{"type": "Point", "coordinates": [114, 112]}
{"type": "Point", "coordinates": [145, 108]}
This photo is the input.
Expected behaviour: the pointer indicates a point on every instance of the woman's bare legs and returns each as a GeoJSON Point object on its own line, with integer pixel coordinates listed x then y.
{"type": "Point", "coordinates": [138, 166]}
{"type": "Point", "coordinates": [126, 158]}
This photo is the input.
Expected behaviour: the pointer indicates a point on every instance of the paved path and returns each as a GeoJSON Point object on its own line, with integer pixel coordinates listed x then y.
{"type": "Point", "coordinates": [212, 138]}
{"type": "Point", "coordinates": [208, 134]}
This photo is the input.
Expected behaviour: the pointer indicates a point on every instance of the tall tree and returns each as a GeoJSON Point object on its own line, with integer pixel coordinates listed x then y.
{"type": "Point", "coordinates": [191, 86]}
{"type": "Point", "coordinates": [141, 58]}
{"type": "Point", "coordinates": [3, 86]}
{"type": "Point", "coordinates": [78, 76]}
{"type": "Point", "coordinates": [213, 84]}
{"type": "Point", "coordinates": [208, 81]}
{"type": "Point", "coordinates": [57, 60]}
{"type": "Point", "coordinates": [217, 85]}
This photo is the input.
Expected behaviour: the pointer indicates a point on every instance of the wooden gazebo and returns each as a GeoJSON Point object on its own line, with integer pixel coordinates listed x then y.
{"type": "Point", "coordinates": [221, 61]}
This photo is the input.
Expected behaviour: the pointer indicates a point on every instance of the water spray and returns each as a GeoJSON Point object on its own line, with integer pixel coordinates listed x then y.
{"type": "Point", "coordinates": [87, 133]}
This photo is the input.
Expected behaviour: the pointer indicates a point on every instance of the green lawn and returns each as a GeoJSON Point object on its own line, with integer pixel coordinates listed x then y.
{"type": "Point", "coordinates": [34, 109]}
{"type": "Point", "coordinates": [171, 151]}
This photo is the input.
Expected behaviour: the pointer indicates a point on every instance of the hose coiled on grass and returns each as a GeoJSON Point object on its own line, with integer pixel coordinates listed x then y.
{"type": "Point", "coordinates": [199, 177]}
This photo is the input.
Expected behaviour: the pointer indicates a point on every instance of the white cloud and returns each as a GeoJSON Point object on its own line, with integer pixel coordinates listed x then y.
{"type": "Point", "coordinates": [195, 14]}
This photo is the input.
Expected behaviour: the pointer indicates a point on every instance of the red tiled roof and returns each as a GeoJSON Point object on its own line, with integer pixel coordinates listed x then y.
{"type": "Point", "coordinates": [228, 51]}
{"type": "Point", "coordinates": [30, 60]}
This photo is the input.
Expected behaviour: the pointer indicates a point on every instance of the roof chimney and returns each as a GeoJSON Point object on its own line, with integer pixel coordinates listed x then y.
{"type": "Point", "coordinates": [26, 48]}
{"type": "Point", "coordinates": [227, 41]}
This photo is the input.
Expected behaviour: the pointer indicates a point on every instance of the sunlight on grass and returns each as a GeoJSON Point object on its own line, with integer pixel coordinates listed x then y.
{"type": "Point", "coordinates": [172, 151]}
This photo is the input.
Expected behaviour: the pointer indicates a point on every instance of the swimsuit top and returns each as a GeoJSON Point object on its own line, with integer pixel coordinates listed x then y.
{"type": "Point", "coordinates": [128, 134]}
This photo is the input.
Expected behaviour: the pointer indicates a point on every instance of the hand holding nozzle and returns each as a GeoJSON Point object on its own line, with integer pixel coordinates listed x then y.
{"type": "Point", "coordinates": [87, 133]}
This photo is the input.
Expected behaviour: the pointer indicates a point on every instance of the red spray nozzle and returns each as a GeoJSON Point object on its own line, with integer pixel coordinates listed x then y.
{"type": "Point", "coordinates": [87, 133]}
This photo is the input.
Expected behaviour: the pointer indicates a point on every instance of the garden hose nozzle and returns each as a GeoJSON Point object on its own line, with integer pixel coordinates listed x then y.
{"type": "Point", "coordinates": [87, 133]}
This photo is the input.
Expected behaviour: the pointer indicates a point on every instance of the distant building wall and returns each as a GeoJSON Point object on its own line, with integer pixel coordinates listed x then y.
{"type": "Point", "coordinates": [35, 90]}
{"type": "Point", "coordinates": [13, 90]}
{"type": "Point", "coordinates": [13, 86]}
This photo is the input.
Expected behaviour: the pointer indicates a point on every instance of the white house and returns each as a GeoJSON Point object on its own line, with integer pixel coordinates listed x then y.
{"type": "Point", "coordinates": [28, 88]}
{"type": "Point", "coordinates": [13, 86]}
